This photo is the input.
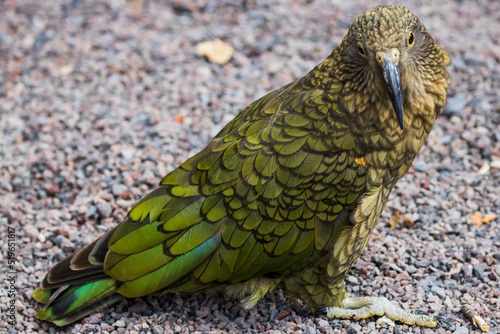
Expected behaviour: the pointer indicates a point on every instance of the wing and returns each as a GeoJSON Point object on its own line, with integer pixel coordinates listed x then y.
{"type": "Point", "coordinates": [260, 199]}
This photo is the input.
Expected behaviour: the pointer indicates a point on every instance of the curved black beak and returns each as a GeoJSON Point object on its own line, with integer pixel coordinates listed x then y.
{"type": "Point", "coordinates": [390, 70]}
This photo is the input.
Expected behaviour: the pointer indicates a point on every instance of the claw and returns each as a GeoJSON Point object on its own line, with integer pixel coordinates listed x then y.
{"type": "Point", "coordinates": [420, 312]}
{"type": "Point", "coordinates": [273, 314]}
{"type": "Point", "coordinates": [322, 310]}
{"type": "Point", "coordinates": [442, 319]}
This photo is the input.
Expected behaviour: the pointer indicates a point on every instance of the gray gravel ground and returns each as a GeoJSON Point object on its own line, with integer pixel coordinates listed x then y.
{"type": "Point", "coordinates": [100, 99]}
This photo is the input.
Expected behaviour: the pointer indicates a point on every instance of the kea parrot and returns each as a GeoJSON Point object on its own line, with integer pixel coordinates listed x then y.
{"type": "Point", "coordinates": [287, 194]}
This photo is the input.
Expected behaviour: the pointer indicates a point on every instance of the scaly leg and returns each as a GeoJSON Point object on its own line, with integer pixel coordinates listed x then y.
{"type": "Point", "coordinates": [365, 307]}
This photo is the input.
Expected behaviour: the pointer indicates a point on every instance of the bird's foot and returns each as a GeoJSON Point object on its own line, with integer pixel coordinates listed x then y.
{"type": "Point", "coordinates": [366, 307]}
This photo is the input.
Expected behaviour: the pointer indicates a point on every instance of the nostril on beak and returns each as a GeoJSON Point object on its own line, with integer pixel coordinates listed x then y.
{"type": "Point", "coordinates": [380, 56]}
{"type": "Point", "coordinates": [395, 55]}
{"type": "Point", "coordinates": [392, 55]}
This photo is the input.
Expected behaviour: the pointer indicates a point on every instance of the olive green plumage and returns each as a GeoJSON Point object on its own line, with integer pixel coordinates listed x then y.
{"type": "Point", "coordinates": [286, 194]}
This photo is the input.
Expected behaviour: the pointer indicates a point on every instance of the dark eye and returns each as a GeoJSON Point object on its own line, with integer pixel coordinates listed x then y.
{"type": "Point", "coordinates": [360, 49]}
{"type": "Point", "coordinates": [411, 39]}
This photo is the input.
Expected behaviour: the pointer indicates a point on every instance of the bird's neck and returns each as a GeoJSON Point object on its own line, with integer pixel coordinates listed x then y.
{"type": "Point", "coordinates": [369, 125]}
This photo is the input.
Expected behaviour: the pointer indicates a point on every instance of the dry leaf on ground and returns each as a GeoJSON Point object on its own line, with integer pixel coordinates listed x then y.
{"type": "Point", "coordinates": [216, 51]}
{"type": "Point", "coordinates": [179, 118]}
{"type": "Point", "coordinates": [478, 220]}
{"type": "Point", "coordinates": [393, 221]}
{"type": "Point", "coordinates": [489, 217]}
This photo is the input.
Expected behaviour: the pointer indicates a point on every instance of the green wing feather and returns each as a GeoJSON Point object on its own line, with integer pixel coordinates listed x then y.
{"type": "Point", "coordinates": [247, 205]}
{"type": "Point", "coordinates": [262, 199]}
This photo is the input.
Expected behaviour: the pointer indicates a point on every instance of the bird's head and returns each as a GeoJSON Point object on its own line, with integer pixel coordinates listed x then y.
{"type": "Point", "coordinates": [389, 54]}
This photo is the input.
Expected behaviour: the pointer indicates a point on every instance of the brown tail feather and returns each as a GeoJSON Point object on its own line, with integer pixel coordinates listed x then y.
{"type": "Point", "coordinates": [94, 254]}
{"type": "Point", "coordinates": [98, 253]}
{"type": "Point", "coordinates": [80, 259]}
{"type": "Point", "coordinates": [83, 266]}
{"type": "Point", "coordinates": [61, 273]}
{"type": "Point", "coordinates": [77, 285]}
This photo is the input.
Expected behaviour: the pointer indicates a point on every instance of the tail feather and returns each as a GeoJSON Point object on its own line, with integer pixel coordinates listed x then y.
{"type": "Point", "coordinates": [77, 286]}
{"type": "Point", "coordinates": [92, 277]}
{"type": "Point", "coordinates": [62, 274]}
{"type": "Point", "coordinates": [68, 304]}
{"type": "Point", "coordinates": [93, 255]}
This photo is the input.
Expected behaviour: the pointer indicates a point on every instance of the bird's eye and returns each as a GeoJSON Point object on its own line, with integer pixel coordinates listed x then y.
{"type": "Point", "coordinates": [411, 39]}
{"type": "Point", "coordinates": [360, 49]}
